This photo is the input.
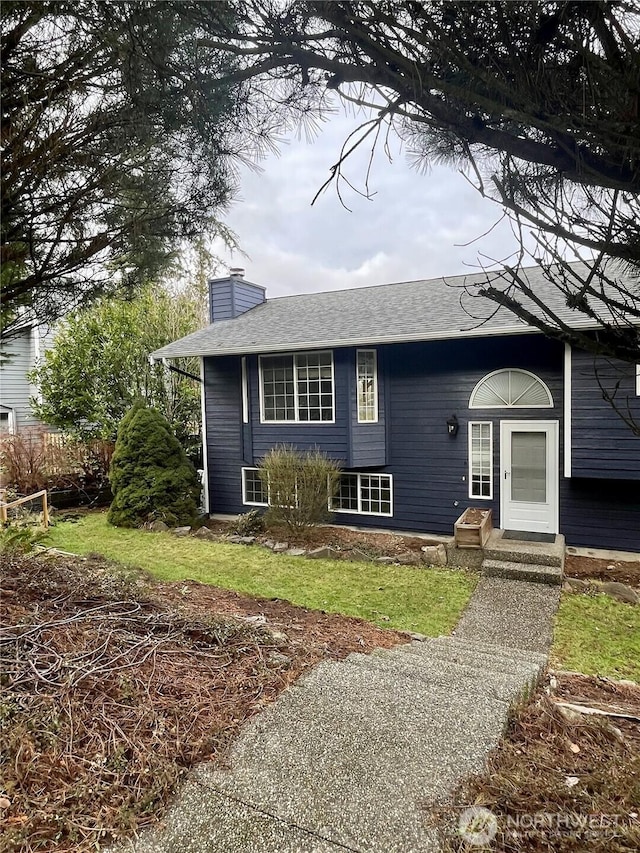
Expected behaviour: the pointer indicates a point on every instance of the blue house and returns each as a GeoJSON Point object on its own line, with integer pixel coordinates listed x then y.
{"type": "Point", "coordinates": [431, 400]}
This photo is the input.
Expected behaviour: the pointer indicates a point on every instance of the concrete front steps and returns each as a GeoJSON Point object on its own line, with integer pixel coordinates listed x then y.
{"type": "Point", "coordinates": [535, 562]}
{"type": "Point", "coordinates": [353, 754]}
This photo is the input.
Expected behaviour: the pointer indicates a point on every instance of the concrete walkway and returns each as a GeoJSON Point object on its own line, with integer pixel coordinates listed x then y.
{"type": "Point", "coordinates": [352, 756]}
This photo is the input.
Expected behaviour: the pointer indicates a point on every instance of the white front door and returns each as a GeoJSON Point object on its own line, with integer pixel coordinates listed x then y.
{"type": "Point", "coordinates": [529, 476]}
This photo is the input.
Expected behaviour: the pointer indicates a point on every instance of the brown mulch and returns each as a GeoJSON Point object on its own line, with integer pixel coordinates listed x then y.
{"type": "Point", "coordinates": [391, 544]}
{"type": "Point", "coordinates": [312, 634]}
{"type": "Point", "coordinates": [339, 538]}
{"type": "Point", "coordinates": [599, 692]}
{"type": "Point", "coordinates": [623, 571]}
{"type": "Point", "coordinates": [113, 687]}
{"type": "Point", "coordinates": [583, 769]}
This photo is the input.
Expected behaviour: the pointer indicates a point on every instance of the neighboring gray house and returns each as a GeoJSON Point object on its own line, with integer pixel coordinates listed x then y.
{"type": "Point", "coordinates": [18, 356]}
{"type": "Point", "coordinates": [428, 409]}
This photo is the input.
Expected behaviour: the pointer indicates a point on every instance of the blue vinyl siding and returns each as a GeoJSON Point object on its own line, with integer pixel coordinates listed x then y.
{"type": "Point", "coordinates": [367, 441]}
{"type": "Point", "coordinates": [600, 513]}
{"type": "Point", "coordinates": [603, 446]}
{"type": "Point", "coordinates": [332, 438]}
{"type": "Point", "coordinates": [420, 386]}
{"type": "Point", "coordinates": [229, 298]}
{"type": "Point", "coordinates": [224, 433]}
{"type": "Point", "coordinates": [427, 383]}
{"type": "Point", "coordinates": [220, 301]}
{"type": "Point", "coordinates": [246, 296]}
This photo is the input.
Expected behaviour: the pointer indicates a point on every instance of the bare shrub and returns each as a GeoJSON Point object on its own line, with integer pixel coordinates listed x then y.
{"type": "Point", "coordinates": [23, 459]}
{"type": "Point", "coordinates": [299, 484]}
{"type": "Point", "coordinates": [34, 459]}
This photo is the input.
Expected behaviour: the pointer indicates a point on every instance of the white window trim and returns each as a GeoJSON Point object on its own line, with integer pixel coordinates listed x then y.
{"type": "Point", "coordinates": [37, 359]}
{"type": "Point", "coordinates": [245, 390]}
{"type": "Point", "coordinates": [488, 497]}
{"type": "Point", "coordinates": [205, 447]}
{"type": "Point", "coordinates": [373, 420]}
{"type": "Point", "coordinates": [638, 379]}
{"type": "Point", "coordinates": [515, 405]}
{"type": "Point", "coordinates": [359, 511]}
{"type": "Point", "coordinates": [244, 489]}
{"type": "Point", "coordinates": [11, 419]}
{"type": "Point", "coordinates": [293, 355]}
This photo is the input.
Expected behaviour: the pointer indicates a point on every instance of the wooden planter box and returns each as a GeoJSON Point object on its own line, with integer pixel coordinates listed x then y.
{"type": "Point", "coordinates": [473, 527]}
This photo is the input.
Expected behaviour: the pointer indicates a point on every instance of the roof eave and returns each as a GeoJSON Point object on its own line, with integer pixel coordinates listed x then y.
{"type": "Point", "coordinates": [335, 343]}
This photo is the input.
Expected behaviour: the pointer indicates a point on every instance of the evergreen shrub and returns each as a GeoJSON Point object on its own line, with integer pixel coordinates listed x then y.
{"type": "Point", "coordinates": [151, 477]}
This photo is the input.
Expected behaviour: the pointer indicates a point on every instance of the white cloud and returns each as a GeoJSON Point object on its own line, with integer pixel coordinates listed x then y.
{"type": "Point", "coordinates": [412, 228]}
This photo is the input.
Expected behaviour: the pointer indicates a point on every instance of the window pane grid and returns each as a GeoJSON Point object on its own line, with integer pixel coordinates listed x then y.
{"type": "Point", "coordinates": [347, 496]}
{"type": "Point", "coordinates": [367, 384]}
{"type": "Point", "coordinates": [297, 387]}
{"type": "Point", "coordinates": [254, 491]}
{"type": "Point", "coordinates": [480, 460]}
{"type": "Point", "coordinates": [364, 493]}
{"type": "Point", "coordinates": [314, 377]}
{"type": "Point", "coordinates": [278, 390]}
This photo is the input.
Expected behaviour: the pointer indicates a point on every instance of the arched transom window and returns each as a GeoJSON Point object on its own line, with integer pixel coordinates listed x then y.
{"type": "Point", "coordinates": [511, 389]}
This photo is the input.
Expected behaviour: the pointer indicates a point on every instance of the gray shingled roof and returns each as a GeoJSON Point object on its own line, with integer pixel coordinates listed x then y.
{"type": "Point", "coordinates": [407, 311]}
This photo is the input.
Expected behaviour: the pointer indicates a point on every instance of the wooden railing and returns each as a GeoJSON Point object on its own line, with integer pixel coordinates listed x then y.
{"type": "Point", "coordinates": [4, 506]}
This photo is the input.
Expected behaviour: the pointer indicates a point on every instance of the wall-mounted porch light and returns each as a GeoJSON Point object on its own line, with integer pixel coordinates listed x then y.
{"type": "Point", "coordinates": [453, 426]}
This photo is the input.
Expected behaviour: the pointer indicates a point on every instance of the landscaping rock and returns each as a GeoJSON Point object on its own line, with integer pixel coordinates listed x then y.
{"type": "Point", "coordinates": [205, 533]}
{"type": "Point", "coordinates": [409, 558]}
{"type": "Point", "coordinates": [358, 556]}
{"type": "Point", "coordinates": [247, 540]}
{"type": "Point", "coordinates": [385, 560]}
{"type": "Point", "coordinates": [235, 540]}
{"type": "Point", "coordinates": [158, 526]}
{"type": "Point", "coordinates": [576, 584]}
{"type": "Point", "coordinates": [570, 715]}
{"type": "Point", "coordinates": [434, 555]}
{"type": "Point", "coordinates": [621, 591]}
{"type": "Point", "coordinates": [420, 638]}
{"type": "Point", "coordinates": [325, 553]}
{"type": "Point", "coordinates": [269, 543]}
{"type": "Point", "coordinates": [296, 552]}
{"type": "Point", "coordinates": [181, 531]}
{"type": "Point", "coordinates": [280, 547]}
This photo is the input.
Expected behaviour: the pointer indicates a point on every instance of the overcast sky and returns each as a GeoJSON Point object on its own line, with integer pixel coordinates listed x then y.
{"type": "Point", "coordinates": [413, 228]}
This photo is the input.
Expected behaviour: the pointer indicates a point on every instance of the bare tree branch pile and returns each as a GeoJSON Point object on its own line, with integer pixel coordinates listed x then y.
{"type": "Point", "coordinates": [554, 763]}
{"type": "Point", "coordinates": [107, 697]}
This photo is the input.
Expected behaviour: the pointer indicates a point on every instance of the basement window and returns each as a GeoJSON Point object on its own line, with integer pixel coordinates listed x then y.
{"type": "Point", "coordinates": [254, 492]}
{"type": "Point", "coordinates": [364, 494]}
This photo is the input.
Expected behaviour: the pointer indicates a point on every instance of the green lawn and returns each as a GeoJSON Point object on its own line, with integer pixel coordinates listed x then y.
{"type": "Point", "coordinates": [426, 600]}
{"type": "Point", "coordinates": [598, 636]}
